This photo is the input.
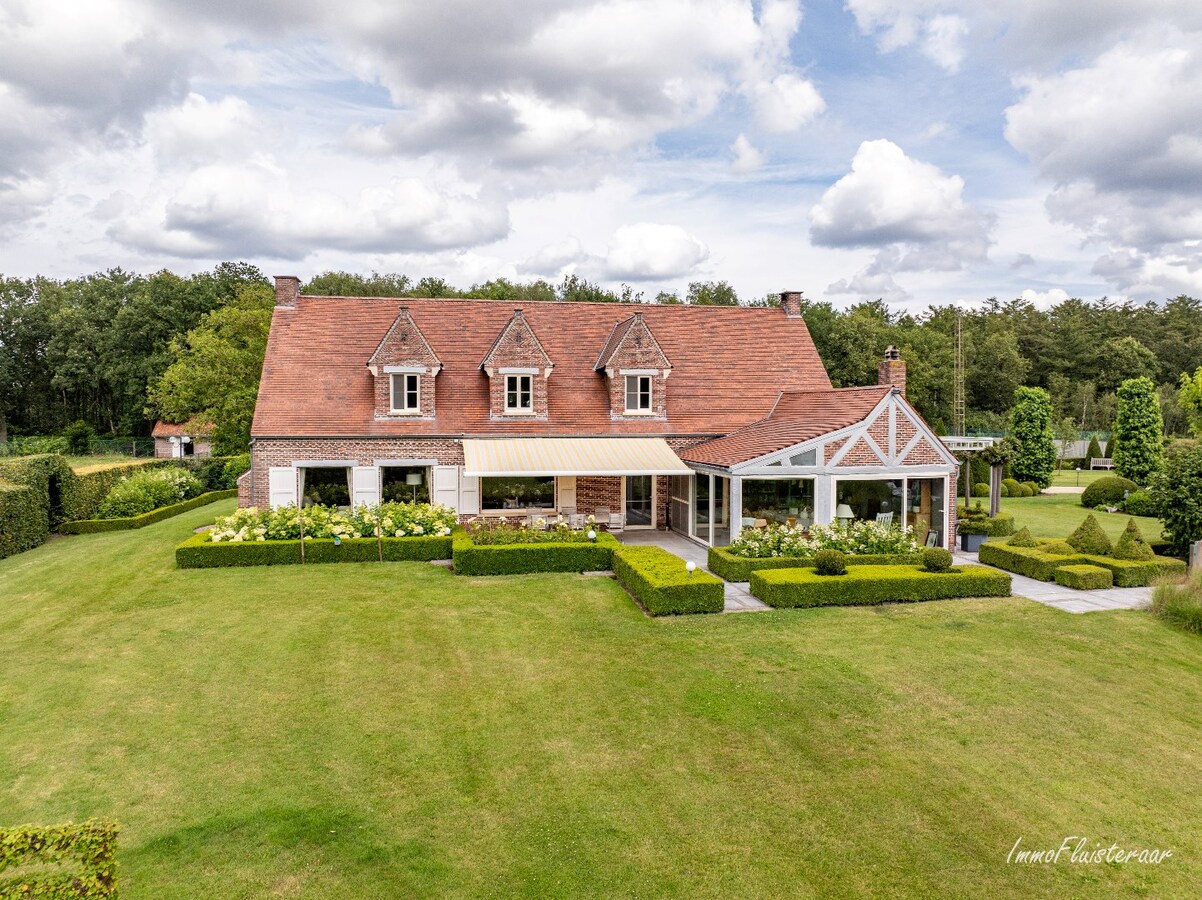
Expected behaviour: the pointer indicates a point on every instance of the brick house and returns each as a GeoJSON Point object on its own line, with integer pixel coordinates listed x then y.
{"type": "Point", "coordinates": [705, 420]}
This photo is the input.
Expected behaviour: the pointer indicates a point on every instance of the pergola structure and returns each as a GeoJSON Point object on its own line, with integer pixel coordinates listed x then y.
{"type": "Point", "coordinates": [970, 444]}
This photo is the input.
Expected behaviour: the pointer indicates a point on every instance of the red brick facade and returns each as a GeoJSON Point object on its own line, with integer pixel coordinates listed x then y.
{"type": "Point", "coordinates": [634, 349]}
{"type": "Point", "coordinates": [517, 347]}
{"type": "Point", "coordinates": [404, 346]}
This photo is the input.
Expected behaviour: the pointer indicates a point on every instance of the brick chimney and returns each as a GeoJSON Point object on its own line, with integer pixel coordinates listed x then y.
{"type": "Point", "coordinates": [892, 370]}
{"type": "Point", "coordinates": [287, 287]}
{"type": "Point", "coordinates": [790, 302]}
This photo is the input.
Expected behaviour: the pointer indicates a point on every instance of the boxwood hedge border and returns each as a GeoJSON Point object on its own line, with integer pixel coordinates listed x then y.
{"type": "Point", "coordinates": [870, 585]}
{"type": "Point", "coordinates": [199, 551]}
{"type": "Point", "coordinates": [1034, 563]}
{"type": "Point", "coordinates": [732, 567]}
{"type": "Point", "coordinates": [470, 558]}
{"type": "Point", "coordinates": [90, 846]}
{"type": "Point", "coordinates": [94, 526]}
{"type": "Point", "coordinates": [659, 581]}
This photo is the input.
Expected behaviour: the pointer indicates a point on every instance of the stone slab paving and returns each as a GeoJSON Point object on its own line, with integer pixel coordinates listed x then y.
{"type": "Point", "coordinates": [1070, 599]}
{"type": "Point", "coordinates": [738, 597]}
{"type": "Point", "coordinates": [1064, 489]}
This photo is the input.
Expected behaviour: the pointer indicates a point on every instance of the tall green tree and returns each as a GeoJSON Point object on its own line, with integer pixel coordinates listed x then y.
{"type": "Point", "coordinates": [711, 293]}
{"type": "Point", "coordinates": [215, 373]}
{"type": "Point", "coordinates": [1138, 441]}
{"type": "Point", "coordinates": [995, 371]}
{"type": "Point", "coordinates": [1177, 492]}
{"type": "Point", "coordinates": [350, 284]}
{"type": "Point", "coordinates": [1123, 358]}
{"type": "Point", "coordinates": [1031, 434]}
{"type": "Point", "coordinates": [1190, 396]}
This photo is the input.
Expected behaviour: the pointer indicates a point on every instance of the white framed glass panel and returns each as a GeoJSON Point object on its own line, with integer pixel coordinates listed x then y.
{"type": "Point", "coordinates": [406, 392]}
{"type": "Point", "coordinates": [638, 393]}
{"type": "Point", "coordinates": [778, 501]}
{"type": "Point", "coordinates": [519, 392]}
{"type": "Point", "coordinates": [871, 501]}
{"type": "Point", "coordinates": [504, 494]}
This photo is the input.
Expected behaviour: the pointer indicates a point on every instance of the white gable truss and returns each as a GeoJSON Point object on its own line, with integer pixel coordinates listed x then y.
{"type": "Point", "coordinates": [891, 438]}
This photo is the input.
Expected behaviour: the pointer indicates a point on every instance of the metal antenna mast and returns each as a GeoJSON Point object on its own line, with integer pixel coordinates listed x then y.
{"type": "Point", "coordinates": [958, 403]}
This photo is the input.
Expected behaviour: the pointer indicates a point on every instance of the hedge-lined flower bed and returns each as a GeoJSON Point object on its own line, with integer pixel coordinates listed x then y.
{"type": "Point", "coordinates": [145, 491]}
{"type": "Point", "coordinates": [658, 580]}
{"type": "Point", "coordinates": [859, 538]}
{"type": "Point", "coordinates": [869, 585]}
{"type": "Point", "coordinates": [398, 520]}
{"type": "Point", "coordinates": [200, 552]}
{"type": "Point", "coordinates": [498, 531]}
{"type": "Point", "coordinates": [727, 565]}
{"type": "Point", "coordinates": [94, 526]}
{"type": "Point", "coordinates": [584, 555]}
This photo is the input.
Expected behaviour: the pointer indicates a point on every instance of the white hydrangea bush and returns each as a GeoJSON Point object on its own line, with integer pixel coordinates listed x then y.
{"type": "Point", "coordinates": [858, 538]}
{"type": "Point", "coordinates": [385, 520]}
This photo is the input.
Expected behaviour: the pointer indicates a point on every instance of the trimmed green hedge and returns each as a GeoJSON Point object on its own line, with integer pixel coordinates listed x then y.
{"type": "Point", "coordinates": [1034, 563]}
{"type": "Point", "coordinates": [1084, 578]}
{"type": "Point", "coordinates": [1001, 525]}
{"type": "Point", "coordinates": [83, 494]}
{"type": "Point", "coordinates": [199, 552]}
{"type": "Point", "coordinates": [658, 579]}
{"type": "Point", "coordinates": [92, 526]}
{"type": "Point", "coordinates": [732, 567]}
{"type": "Point", "coordinates": [81, 860]}
{"type": "Point", "coordinates": [23, 521]}
{"type": "Point", "coordinates": [471, 558]}
{"type": "Point", "coordinates": [869, 585]}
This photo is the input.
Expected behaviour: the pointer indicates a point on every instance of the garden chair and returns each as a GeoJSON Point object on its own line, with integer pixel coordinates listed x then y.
{"type": "Point", "coordinates": [576, 521]}
{"type": "Point", "coordinates": [602, 515]}
{"type": "Point", "coordinates": [567, 512]}
{"type": "Point", "coordinates": [617, 523]}
{"type": "Point", "coordinates": [884, 518]}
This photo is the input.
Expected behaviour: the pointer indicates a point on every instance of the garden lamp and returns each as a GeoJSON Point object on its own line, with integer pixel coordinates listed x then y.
{"type": "Point", "coordinates": [689, 567]}
{"type": "Point", "coordinates": [413, 479]}
{"type": "Point", "coordinates": [592, 536]}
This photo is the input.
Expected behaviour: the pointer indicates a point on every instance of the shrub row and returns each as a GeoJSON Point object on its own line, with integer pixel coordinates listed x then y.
{"type": "Point", "coordinates": [23, 520]}
{"type": "Point", "coordinates": [658, 580]}
{"type": "Point", "coordinates": [727, 565]}
{"type": "Point", "coordinates": [1035, 562]}
{"type": "Point", "coordinates": [1083, 577]}
{"type": "Point", "coordinates": [82, 859]}
{"type": "Point", "coordinates": [92, 526]}
{"type": "Point", "coordinates": [471, 558]}
{"type": "Point", "coordinates": [869, 585]}
{"type": "Point", "coordinates": [83, 493]}
{"type": "Point", "coordinates": [199, 552]}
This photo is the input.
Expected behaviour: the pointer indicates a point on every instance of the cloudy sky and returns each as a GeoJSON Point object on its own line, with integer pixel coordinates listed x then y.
{"type": "Point", "coordinates": [917, 150]}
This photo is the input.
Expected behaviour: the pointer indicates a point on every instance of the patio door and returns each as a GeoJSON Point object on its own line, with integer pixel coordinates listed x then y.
{"type": "Point", "coordinates": [640, 501]}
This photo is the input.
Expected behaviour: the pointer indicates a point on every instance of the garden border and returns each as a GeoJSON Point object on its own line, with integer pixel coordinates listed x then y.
{"type": "Point", "coordinates": [95, 526]}
{"type": "Point", "coordinates": [732, 567]}
{"type": "Point", "coordinates": [659, 580]}
{"type": "Point", "coordinates": [870, 585]}
{"type": "Point", "coordinates": [470, 558]}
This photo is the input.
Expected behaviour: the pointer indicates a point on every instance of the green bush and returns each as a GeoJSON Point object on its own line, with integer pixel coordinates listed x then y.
{"type": "Point", "coordinates": [830, 562]}
{"type": "Point", "coordinates": [1094, 451]}
{"type": "Point", "coordinates": [1107, 491]}
{"type": "Point", "coordinates": [23, 522]}
{"type": "Point", "coordinates": [83, 494]}
{"type": "Point", "coordinates": [199, 551]}
{"type": "Point", "coordinates": [1058, 548]}
{"type": "Point", "coordinates": [233, 469]}
{"type": "Point", "coordinates": [980, 489]}
{"type": "Point", "coordinates": [1038, 563]}
{"type": "Point", "coordinates": [1023, 539]}
{"type": "Point", "coordinates": [1140, 503]}
{"type": "Point", "coordinates": [863, 586]}
{"type": "Point", "coordinates": [1177, 492]}
{"type": "Point", "coordinates": [1032, 487]}
{"type": "Point", "coordinates": [860, 537]}
{"type": "Point", "coordinates": [1131, 544]}
{"type": "Point", "coordinates": [148, 490]}
{"type": "Point", "coordinates": [658, 579]}
{"type": "Point", "coordinates": [60, 862]}
{"type": "Point", "coordinates": [936, 559]}
{"type": "Point", "coordinates": [1031, 435]}
{"type": "Point", "coordinates": [79, 436]}
{"type": "Point", "coordinates": [1180, 604]}
{"type": "Point", "coordinates": [1138, 430]}
{"type": "Point", "coordinates": [1090, 538]}
{"type": "Point", "coordinates": [520, 559]}
{"type": "Point", "coordinates": [1011, 487]}
{"type": "Point", "coordinates": [1084, 577]}
{"type": "Point", "coordinates": [1025, 491]}
{"type": "Point", "coordinates": [731, 567]}
{"type": "Point", "coordinates": [974, 521]}
{"type": "Point", "coordinates": [94, 526]}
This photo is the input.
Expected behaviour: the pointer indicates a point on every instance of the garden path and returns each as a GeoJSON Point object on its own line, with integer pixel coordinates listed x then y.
{"type": "Point", "coordinates": [1070, 599]}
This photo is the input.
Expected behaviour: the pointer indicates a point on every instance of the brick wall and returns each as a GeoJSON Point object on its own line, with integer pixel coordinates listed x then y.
{"type": "Point", "coordinates": [637, 350]}
{"type": "Point", "coordinates": [517, 348]}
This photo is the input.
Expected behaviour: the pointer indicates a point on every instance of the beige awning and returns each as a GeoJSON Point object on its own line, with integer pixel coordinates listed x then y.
{"type": "Point", "coordinates": [571, 456]}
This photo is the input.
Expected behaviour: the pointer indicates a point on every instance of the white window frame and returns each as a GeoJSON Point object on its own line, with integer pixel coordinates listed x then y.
{"type": "Point", "coordinates": [417, 390]}
{"type": "Point", "coordinates": [520, 410]}
{"type": "Point", "coordinates": [639, 410]}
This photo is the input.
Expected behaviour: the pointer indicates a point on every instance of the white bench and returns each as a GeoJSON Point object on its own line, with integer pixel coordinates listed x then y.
{"type": "Point", "coordinates": [1102, 462]}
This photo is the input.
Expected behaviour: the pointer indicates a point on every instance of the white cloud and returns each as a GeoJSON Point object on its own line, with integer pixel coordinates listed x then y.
{"type": "Point", "coordinates": [747, 157]}
{"type": "Point", "coordinates": [648, 250]}
{"type": "Point", "coordinates": [1044, 299]}
{"type": "Point", "coordinates": [891, 200]}
{"type": "Point", "coordinates": [554, 259]}
{"type": "Point", "coordinates": [942, 41]}
{"type": "Point", "coordinates": [204, 129]}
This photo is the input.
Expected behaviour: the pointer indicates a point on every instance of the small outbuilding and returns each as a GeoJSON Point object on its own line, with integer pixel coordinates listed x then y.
{"type": "Point", "coordinates": [173, 441]}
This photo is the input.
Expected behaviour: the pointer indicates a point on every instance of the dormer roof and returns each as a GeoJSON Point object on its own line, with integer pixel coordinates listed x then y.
{"type": "Point", "coordinates": [517, 343]}
{"type": "Point", "coordinates": [632, 335]}
{"type": "Point", "coordinates": [403, 343]}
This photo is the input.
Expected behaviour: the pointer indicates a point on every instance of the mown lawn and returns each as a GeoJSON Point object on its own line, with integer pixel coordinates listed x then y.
{"type": "Point", "coordinates": [1078, 477]}
{"type": "Point", "coordinates": [393, 730]}
{"type": "Point", "coordinates": [1058, 515]}
{"type": "Point", "coordinates": [82, 465]}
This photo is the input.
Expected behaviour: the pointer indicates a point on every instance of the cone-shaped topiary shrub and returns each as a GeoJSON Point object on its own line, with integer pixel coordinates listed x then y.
{"type": "Point", "coordinates": [1023, 539]}
{"type": "Point", "coordinates": [1131, 544]}
{"type": "Point", "coordinates": [830, 562]}
{"type": "Point", "coordinates": [1090, 538]}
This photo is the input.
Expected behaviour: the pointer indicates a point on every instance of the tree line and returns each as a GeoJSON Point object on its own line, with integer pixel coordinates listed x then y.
{"type": "Point", "coordinates": [117, 350]}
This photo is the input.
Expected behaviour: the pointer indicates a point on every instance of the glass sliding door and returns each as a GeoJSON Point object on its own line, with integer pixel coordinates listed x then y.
{"type": "Point", "coordinates": [640, 501]}
{"type": "Point", "coordinates": [720, 535]}
{"type": "Point", "coordinates": [701, 507]}
{"type": "Point", "coordinates": [926, 510]}
{"type": "Point", "coordinates": [680, 488]}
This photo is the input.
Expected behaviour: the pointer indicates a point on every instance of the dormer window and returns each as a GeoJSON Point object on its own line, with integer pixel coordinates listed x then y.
{"type": "Point", "coordinates": [519, 394]}
{"type": "Point", "coordinates": [406, 392]}
{"type": "Point", "coordinates": [638, 394]}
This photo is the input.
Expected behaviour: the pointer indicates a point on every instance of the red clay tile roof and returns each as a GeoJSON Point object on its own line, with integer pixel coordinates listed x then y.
{"type": "Point", "coordinates": [799, 416]}
{"type": "Point", "coordinates": [167, 429]}
{"type": "Point", "coordinates": [730, 365]}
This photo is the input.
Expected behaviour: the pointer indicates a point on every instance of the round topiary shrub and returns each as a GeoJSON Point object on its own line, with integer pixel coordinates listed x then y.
{"type": "Point", "coordinates": [980, 489]}
{"type": "Point", "coordinates": [830, 562]}
{"type": "Point", "coordinates": [1032, 487]}
{"type": "Point", "coordinates": [1107, 491]}
{"type": "Point", "coordinates": [1059, 548]}
{"type": "Point", "coordinates": [936, 559]}
{"type": "Point", "coordinates": [1140, 503]}
{"type": "Point", "coordinates": [1011, 487]}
